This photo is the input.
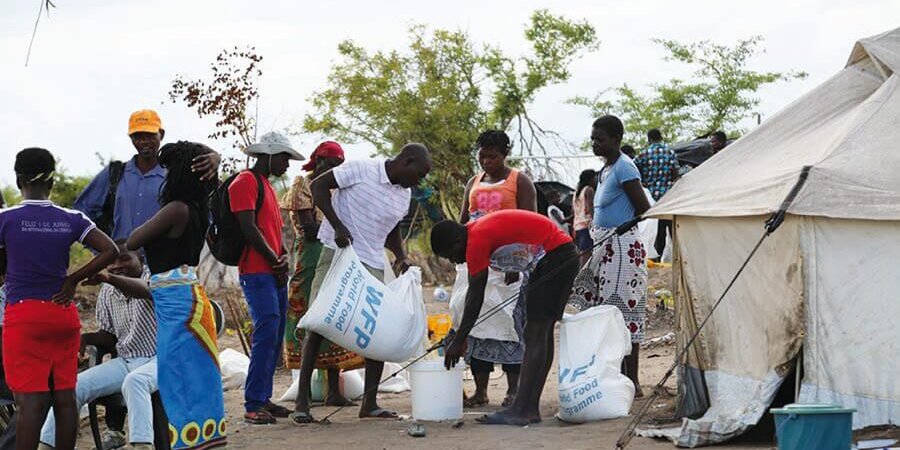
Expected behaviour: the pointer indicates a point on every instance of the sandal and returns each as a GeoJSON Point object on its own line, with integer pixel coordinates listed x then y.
{"type": "Point", "coordinates": [508, 400]}
{"type": "Point", "coordinates": [277, 410]}
{"type": "Point", "coordinates": [301, 418]}
{"type": "Point", "coordinates": [260, 417]}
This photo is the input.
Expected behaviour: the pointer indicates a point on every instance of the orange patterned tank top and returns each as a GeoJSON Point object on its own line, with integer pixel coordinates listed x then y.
{"type": "Point", "coordinates": [485, 198]}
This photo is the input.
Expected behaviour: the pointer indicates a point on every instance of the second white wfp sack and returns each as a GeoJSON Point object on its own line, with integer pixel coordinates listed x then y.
{"type": "Point", "coordinates": [592, 344]}
{"type": "Point", "coordinates": [499, 325]}
{"type": "Point", "coordinates": [360, 313]}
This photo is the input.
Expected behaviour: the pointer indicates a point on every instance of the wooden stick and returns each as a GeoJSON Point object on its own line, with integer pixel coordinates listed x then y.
{"type": "Point", "coordinates": [239, 324]}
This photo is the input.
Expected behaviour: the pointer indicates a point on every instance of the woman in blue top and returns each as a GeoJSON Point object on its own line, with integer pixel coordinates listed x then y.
{"type": "Point", "coordinates": [616, 274]}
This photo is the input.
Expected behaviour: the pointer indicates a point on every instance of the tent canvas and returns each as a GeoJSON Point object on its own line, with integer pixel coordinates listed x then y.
{"type": "Point", "coordinates": [822, 283]}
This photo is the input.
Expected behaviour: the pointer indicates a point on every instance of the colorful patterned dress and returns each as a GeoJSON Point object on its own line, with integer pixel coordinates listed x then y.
{"type": "Point", "coordinates": [190, 382]}
{"type": "Point", "coordinates": [306, 252]}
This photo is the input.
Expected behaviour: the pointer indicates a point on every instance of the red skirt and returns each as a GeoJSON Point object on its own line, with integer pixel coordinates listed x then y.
{"type": "Point", "coordinates": [40, 346]}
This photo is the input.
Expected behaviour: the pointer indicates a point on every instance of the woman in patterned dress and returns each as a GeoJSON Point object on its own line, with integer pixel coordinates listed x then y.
{"type": "Point", "coordinates": [190, 382]}
{"type": "Point", "coordinates": [616, 273]}
{"type": "Point", "coordinates": [305, 219]}
{"type": "Point", "coordinates": [498, 187]}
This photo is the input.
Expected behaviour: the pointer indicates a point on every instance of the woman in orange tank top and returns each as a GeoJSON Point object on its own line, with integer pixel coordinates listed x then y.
{"type": "Point", "coordinates": [498, 187]}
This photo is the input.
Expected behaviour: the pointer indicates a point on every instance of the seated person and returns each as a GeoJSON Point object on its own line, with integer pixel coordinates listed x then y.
{"type": "Point", "coordinates": [127, 322]}
{"type": "Point", "coordinates": [546, 293]}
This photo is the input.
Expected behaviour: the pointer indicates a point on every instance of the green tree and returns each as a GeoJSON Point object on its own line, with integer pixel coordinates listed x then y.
{"type": "Point", "coordinates": [11, 195]}
{"type": "Point", "coordinates": [67, 187]}
{"type": "Point", "coordinates": [442, 91]}
{"type": "Point", "coordinates": [719, 96]}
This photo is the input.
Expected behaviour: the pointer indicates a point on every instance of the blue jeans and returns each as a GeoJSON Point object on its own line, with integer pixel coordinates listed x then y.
{"type": "Point", "coordinates": [267, 301]}
{"type": "Point", "coordinates": [135, 378]}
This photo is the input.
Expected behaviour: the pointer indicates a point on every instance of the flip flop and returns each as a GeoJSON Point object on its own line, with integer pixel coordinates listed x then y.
{"type": "Point", "coordinates": [380, 413]}
{"type": "Point", "coordinates": [416, 430]}
{"type": "Point", "coordinates": [508, 401]}
{"type": "Point", "coordinates": [473, 402]}
{"type": "Point", "coordinates": [261, 417]}
{"type": "Point", "coordinates": [301, 418]}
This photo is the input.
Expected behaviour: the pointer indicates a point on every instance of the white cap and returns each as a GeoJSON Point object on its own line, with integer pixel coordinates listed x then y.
{"type": "Point", "coordinates": [273, 143]}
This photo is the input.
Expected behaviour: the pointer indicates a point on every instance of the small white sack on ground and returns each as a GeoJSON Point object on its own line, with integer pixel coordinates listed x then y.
{"type": "Point", "coordinates": [397, 384]}
{"type": "Point", "coordinates": [358, 312]}
{"type": "Point", "coordinates": [592, 344]}
{"type": "Point", "coordinates": [499, 326]}
{"type": "Point", "coordinates": [234, 366]}
{"type": "Point", "coordinates": [352, 383]}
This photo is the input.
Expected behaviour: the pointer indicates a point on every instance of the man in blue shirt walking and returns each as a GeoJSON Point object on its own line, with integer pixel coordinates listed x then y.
{"type": "Point", "coordinates": [659, 170]}
{"type": "Point", "coordinates": [135, 188]}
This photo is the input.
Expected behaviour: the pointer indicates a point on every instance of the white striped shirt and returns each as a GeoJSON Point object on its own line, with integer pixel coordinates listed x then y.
{"type": "Point", "coordinates": [368, 205]}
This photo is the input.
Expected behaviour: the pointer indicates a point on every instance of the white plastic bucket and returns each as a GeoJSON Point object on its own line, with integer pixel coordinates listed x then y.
{"type": "Point", "coordinates": [436, 391]}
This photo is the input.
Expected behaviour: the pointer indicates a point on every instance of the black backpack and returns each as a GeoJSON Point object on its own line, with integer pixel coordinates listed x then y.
{"type": "Point", "coordinates": [224, 237]}
{"type": "Point", "coordinates": [107, 213]}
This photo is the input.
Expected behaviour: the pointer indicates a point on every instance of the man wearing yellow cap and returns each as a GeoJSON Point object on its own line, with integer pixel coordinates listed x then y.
{"type": "Point", "coordinates": [124, 195]}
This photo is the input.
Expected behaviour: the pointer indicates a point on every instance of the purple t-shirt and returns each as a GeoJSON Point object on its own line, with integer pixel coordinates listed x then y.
{"type": "Point", "coordinates": [37, 236]}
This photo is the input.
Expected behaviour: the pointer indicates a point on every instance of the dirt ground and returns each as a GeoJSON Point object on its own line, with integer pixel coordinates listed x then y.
{"type": "Point", "coordinates": [346, 430]}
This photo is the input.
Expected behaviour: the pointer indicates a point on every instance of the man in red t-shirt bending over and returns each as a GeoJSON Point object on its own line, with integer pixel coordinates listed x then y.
{"type": "Point", "coordinates": [546, 293]}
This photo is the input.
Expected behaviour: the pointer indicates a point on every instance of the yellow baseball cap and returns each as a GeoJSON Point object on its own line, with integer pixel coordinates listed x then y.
{"type": "Point", "coordinates": [145, 120]}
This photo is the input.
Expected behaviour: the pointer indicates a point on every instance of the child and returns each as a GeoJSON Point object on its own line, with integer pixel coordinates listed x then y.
{"type": "Point", "coordinates": [41, 328]}
{"type": "Point", "coordinates": [127, 323]}
{"type": "Point", "coordinates": [546, 293]}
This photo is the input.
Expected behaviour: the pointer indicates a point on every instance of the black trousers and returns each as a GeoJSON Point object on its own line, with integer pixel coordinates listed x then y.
{"type": "Point", "coordinates": [660, 243]}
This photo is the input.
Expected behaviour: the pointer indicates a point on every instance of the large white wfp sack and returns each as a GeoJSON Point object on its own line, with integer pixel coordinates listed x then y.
{"type": "Point", "coordinates": [358, 312]}
{"type": "Point", "coordinates": [592, 344]}
{"type": "Point", "coordinates": [500, 325]}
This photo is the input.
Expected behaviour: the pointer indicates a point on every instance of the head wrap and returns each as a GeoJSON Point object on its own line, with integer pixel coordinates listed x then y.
{"type": "Point", "coordinates": [327, 149]}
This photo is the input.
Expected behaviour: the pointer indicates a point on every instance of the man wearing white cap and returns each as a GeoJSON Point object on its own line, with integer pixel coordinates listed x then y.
{"type": "Point", "coordinates": [263, 268]}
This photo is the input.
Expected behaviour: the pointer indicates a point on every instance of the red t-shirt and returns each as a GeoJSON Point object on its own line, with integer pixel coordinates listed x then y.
{"type": "Point", "coordinates": [242, 193]}
{"type": "Point", "coordinates": [509, 226]}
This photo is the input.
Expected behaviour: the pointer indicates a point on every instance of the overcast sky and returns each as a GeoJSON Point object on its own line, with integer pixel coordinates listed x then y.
{"type": "Point", "coordinates": [94, 62]}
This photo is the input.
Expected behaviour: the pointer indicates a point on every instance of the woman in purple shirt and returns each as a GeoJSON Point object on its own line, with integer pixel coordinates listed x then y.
{"type": "Point", "coordinates": [42, 331]}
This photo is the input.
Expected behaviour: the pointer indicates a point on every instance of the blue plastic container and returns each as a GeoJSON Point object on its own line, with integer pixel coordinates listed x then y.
{"type": "Point", "coordinates": [813, 427]}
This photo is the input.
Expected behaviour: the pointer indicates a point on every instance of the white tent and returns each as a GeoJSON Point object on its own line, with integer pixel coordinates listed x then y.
{"type": "Point", "coordinates": [825, 284]}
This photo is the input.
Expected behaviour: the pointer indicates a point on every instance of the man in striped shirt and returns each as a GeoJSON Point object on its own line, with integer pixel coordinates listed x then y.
{"type": "Point", "coordinates": [127, 322]}
{"type": "Point", "coordinates": [369, 199]}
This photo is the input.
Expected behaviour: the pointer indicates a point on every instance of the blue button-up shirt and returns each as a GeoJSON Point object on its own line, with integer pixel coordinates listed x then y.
{"type": "Point", "coordinates": [137, 198]}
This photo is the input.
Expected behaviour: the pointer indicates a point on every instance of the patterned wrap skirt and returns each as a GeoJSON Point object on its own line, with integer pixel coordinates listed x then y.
{"type": "Point", "coordinates": [190, 382]}
{"type": "Point", "coordinates": [615, 275]}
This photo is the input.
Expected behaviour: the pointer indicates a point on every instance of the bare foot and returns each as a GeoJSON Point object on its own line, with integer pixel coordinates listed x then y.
{"type": "Point", "coordinates": [506, 417]}
{"type": "Point", "coordinates": [377, 413]}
